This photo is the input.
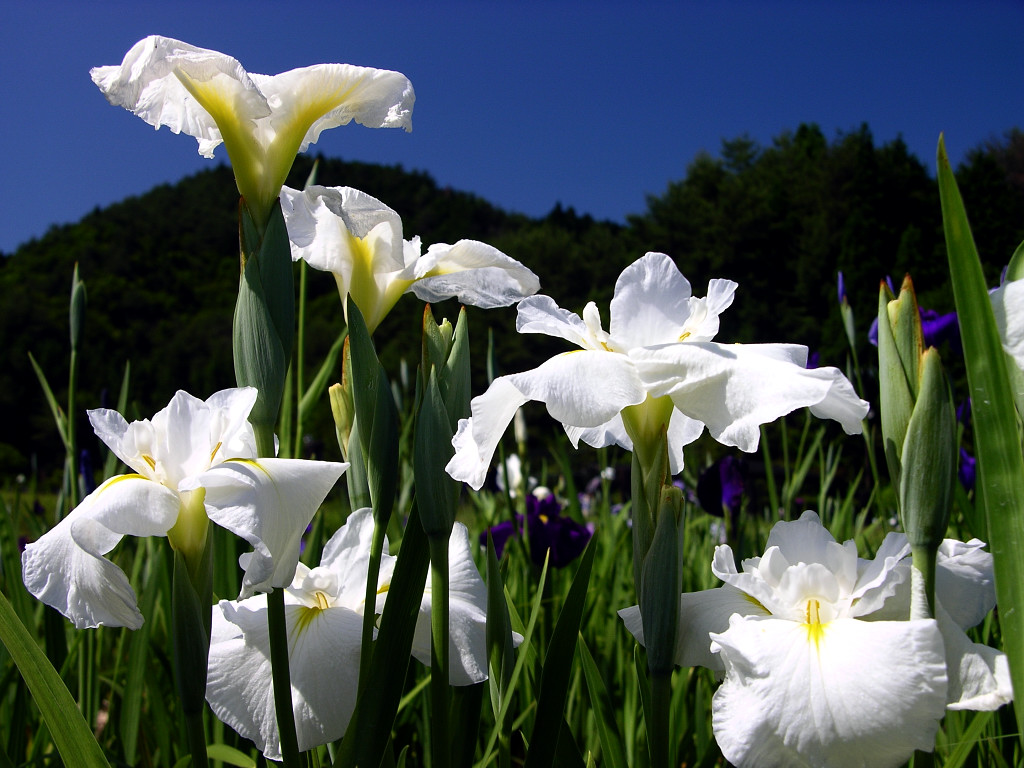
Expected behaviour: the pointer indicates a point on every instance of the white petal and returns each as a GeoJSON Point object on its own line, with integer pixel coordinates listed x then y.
{"type": "Point", "coordinates": [866, 693]}
{"type": "Point", "coordinates": [1008, 308]}
{"type": "Point", "coordinates": [979, 676]}
{"type": "Point", "coordinates": [682, 430]}
{"type": "Point", "coordinates": [66, 569]}
{"type": "Point", "coordinates": [581, 389]}
{"type": "Point", "coordinates": [650, 305]}
{"type": "Point", "coordinates": [734, 389]}
{"type": "Point", "coordinates": [240, 687]}
{"type": "Point", "coordinates": [700, 614]}
{"type": "Point", "coordinates": [467, 615]}
{"type": "Point", "coordinates": [146, 84]}
{"type": "Point", "coordinates": [477, 437]}
{"type": "Point", "coordinates": [269, 503]}
{"type": "Point", "coordinates": [322, 222]}
{"type": "Point", "coordinates": [328, 95]}
{"type": "Point", "coordinates": [540, 314]}
{"type": "Point", "coordinates": [965, 581]}
{"type": "Point", "coordinates": [478, 274]}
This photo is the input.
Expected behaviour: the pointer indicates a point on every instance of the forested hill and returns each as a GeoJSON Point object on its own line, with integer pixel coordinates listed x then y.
{"type": "Point", "coordinates": [161, 269]}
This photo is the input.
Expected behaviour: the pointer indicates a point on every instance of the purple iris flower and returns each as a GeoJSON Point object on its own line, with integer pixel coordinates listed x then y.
{"type": "Point", "coordinates": [547, 529]}
{"type": "Point", "coordinates": [720, 487]}
{"type": "Point", "coordinates": [841, 287]}
{"type": "Point", "coordinates": [967, 471]}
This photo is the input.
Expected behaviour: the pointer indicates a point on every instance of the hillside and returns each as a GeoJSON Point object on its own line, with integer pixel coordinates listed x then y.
{"type": "Point", "coordinates": [161, 269]}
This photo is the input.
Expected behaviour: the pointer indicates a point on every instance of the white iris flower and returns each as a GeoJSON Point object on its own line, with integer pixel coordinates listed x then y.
{"type": "Point", "coordinates": [659, 352]}
{"type": "Point", "coordinates": [195, 461]}
{"type": "Point", "coordinates": [324, 613]}
{"type": "Point", "coordinates": [359, 239]}
{"type": "Point", "coordinates": [822, 666]}
{"type": "Point", "coordinates": [263, 120]}
{"type": "Point", "coordinates": [1008, 308]}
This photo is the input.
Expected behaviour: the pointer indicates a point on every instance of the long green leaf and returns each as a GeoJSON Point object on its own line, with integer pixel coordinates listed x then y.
{"type": "Point", "coordinates": [58, 413]}
{"type": "Point", "coordinates": [74, 740]}
{"type": "Point", "coordinates": [997, 444]}
{"type": "Point", "coordinates": [612, 752]}
{"type": "Point", "coordinates": [370, 727]}
{"type": "Point", "coordinates": [324, 375]}
{"type": "Point", "coordinates": [557, 672]}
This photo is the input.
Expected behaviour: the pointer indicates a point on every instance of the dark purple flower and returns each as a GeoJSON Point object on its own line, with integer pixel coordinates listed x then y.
{"type": "Point", "coordinates": [967, 472]}
{"type": "Point", "coordinates": [547, 529]}
{"type": "Point", "coordinates": [86, 472]}
{"type": "Point", "coordinates": [720, 487]}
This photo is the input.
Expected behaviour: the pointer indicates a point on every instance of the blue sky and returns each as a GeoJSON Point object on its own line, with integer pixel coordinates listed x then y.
{"type": "Point", "coordinates": [591, 104]}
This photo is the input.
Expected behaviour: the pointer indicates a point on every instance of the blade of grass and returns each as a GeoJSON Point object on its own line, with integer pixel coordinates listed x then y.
{"type": "Point", "coordinates": [557, 671]}
{"type": "Point", "coordinates": [74, 740]}
{"type": "Point", "coordinates": [997, 443]}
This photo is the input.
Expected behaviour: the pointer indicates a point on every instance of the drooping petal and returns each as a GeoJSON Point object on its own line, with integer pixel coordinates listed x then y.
{"type": "Point", "coordinates": [147, 83]}
{"type": "Point", "coordinates": [268, 503]}
{"type": "Point", "coordinates": [309, 100]}
{"type": "Point", "coordinates": [700, 615]}
{"type": "Point", "coordinates": [467, 615]}
{"type": "Point", "coordinates": [979, 676]}
{"type": "Point", "coordinates": [582, 388]}
{"type": "Point", "coordinates": [66, 569]}
{"type": "Point", "coordinates": [734, 389]}
{"type": "Point", "coordinates": [682, 430]}
{"type": "Point", "coordinates": [797, 695]}
{"type": "Point", "coordinates": [965, 581]}
{"type": "Point", "coordinates": [240, 688]}
{"type": "Point", "coordinates": [478, 274]}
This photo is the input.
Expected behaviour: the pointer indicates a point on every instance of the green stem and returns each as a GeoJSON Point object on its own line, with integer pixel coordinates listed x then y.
{"type": "Point", "coordinates": [300, 360]}
{"type": "Point", "coordinates": [74, 497]}
{"type": "Point", "coordinates": [282, 679]}
{"type": "Point", "coordinates": [370, 603]}
{"type": "Point", "coordinates": [922, 580]}
{"type": "Point", "coordinates": [440, 740]}
{"type": "Point", "coordinates": [658, 719]}
{"type": "Point", "coordinates": [196, 736]}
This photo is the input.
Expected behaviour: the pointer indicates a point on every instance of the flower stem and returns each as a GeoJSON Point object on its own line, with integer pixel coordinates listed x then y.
{"type": "Point", "coordinates": [658, 719]}
{"type": "Point", "coordinates": [370, 603]}
{"type": "Point", "coordinates": [282, 679]}
{"type": "Point", "coordinates": [440, 741]}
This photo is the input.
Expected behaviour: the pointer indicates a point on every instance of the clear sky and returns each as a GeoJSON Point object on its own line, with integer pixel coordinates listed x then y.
{"type": "Point", "coordinates": [591, 104]}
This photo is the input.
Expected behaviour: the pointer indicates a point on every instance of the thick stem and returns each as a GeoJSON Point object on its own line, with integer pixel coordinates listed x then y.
{"type": "Point", "coordinates": [658, 719]}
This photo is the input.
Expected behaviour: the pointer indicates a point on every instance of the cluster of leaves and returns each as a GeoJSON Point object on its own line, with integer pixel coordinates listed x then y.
{"type": "Point", "coordinates": [781, 219]}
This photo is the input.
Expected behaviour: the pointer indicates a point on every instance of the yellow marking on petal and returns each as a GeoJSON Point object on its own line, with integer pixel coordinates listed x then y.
{"type": "Point", "coordinates": [251, 463]}
{"type": "Point", "coordinates": [304, 617]}
{"type": "Point", "coordinates": [321, 601]}
{"type": "Point", "coordinates": [815, 629]}
{"type": "Point", "coordinates": [383, 588]}
{"type": "Point", "coordinates": [543, 519]}
{"type": "Point", "coordinates": [756, 602]}
{"type": "Point", "coordinates": [684, 335]}
{"type": "Point", "coordinates": [149, 460]}
{"type": "Point", "coordinates": [215, 449]}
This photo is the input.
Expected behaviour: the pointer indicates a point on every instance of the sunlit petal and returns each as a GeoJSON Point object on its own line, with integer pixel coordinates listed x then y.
{"type": "Point", "coordinates": [239, 686]}
{"type": "Point", "coordinates": [476, 273]}
{"type": "Point", "coordinates": [797, 695]}
{"type": "Point", "coordinates": [66, 569]}
{"type": "Point", "coordinates": [651, 302]}
{"type": "Point", "coordinates": [269, 503]}
{"type": "Point", "coordinates": [734, 389]}
{"type": "Point", "coordinates": [467, 615]}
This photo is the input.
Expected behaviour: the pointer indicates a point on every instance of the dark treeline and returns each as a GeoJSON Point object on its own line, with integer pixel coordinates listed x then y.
{"type": "Point", "coordinates": [161, 269]}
